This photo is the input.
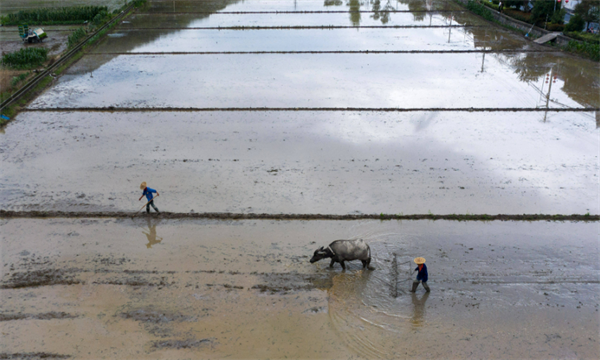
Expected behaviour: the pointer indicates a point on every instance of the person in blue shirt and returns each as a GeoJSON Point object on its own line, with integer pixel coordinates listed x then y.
{"type": "Point", "coordinates": [421, 275]}
{"type": "Point", "coordinates": [148, 192]}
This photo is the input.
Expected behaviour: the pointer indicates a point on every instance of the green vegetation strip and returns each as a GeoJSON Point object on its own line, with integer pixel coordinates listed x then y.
{"type": "Point", "coordinates": [76, 37]}
{"type": "Point", "coordinates": [55, 16]}
{"type": "Point", "coordinates": [241, 216]}
{"type": "Point", "coordinates": [27, 58]}
{"type": "Point", "coordinates": [587, 49]}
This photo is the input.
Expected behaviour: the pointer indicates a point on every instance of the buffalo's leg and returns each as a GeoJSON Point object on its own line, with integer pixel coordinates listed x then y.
{"type": "Point", "coordinates": [343, 265]}
{"type": "Point", "coordinates": [365, 263]}
{"type": "Point", "coordinates": [333, 262]}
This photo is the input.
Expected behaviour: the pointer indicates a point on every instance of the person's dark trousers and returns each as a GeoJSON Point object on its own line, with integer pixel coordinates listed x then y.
{"type": "Point", "coordinates": [416, 284]}
{"type": "Point", "coordinates": [148, 207]}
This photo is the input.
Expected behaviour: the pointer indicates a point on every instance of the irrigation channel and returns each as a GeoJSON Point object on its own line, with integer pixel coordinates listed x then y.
{"type": "Point", "coordinates": [271, 128]}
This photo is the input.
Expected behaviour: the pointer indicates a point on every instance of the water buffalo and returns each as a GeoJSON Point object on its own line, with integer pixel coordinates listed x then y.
{"type": "Point", "coordinates": [345, 250]}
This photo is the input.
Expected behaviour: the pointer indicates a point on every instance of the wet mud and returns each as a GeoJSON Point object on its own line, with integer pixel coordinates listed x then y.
{"type": "Point", "coordinates": [251, 216]}
{"type": "Point", "coordinates": [33, 356]}
{"type": "Point", "coordinates": [196, 287]}
{"type": "Point", "coordinates": [43, 316]}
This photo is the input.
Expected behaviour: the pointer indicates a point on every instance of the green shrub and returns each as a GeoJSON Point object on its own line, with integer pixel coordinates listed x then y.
{"type": "Point", "coordinates": [76, 37]}
{"type": "Point", "coordinates": [480, 10]}
{"type": "Point", "coordinates": [97, 20]}
{"type": "Point", "coordinates": [588, 49]}
{"type": "Point", "coordinates": [17, 79]}
{"type": "Point", "coordinates": [25, 58]}
{"type": "Point", "coordinates": [519, 15]}
{"type": "Point", "coordinates": [490, 5]}
{"type": "Point", "coordinates": [558, 17]}
{"type": "Point", "coordinates": [54, 15]}
{"type": "Point", "coordinates": [576, 23]}
{"type": "Point", "coordinates": [591, 38]}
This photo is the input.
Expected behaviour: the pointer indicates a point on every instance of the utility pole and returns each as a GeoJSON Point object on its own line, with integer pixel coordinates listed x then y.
{"type": "Point", "coordinates": [549, 90]}
{"type": "Point", "coordinates": [482, 61]}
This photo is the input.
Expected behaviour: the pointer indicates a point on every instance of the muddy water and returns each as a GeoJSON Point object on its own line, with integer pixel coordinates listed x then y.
{"type": "Point", "coordinates": [326, 80]}
{"type": "Point", "coordinates": [148, 288]}
{"type": "Point", "coordinates": [303, 162]}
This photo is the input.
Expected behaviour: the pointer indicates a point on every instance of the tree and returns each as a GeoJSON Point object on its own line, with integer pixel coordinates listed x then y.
{"type": "Point", "coordinates": [589, 10]}
{"type": "Point", "coordinates": [576, 23]}
{"type": "Point", "coordinates": [558, 17]}
{"type": "Point", "coordinates": [543, 9]}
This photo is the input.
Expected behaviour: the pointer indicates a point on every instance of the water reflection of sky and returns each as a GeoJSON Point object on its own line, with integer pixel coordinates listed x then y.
{"type": "Point", "coordinates": [300, 5]}
{"type": "Point", "coordinates": [145, 20]}
{"type": "Point", "coordinates": [406, 39]}
{"type": "Point", "coordinates": [308, 80]}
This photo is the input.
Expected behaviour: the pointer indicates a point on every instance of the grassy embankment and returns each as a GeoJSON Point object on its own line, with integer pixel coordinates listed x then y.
{"type": "Point", "coordinates": [98, 20]}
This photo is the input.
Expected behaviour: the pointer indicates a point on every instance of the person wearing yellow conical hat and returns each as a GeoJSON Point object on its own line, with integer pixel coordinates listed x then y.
{"type": "Point", "coordinates": [148, 192]}
{"type": "Point", "coordinates": [421, 275]}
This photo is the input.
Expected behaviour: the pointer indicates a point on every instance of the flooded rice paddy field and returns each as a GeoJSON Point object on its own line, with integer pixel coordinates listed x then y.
{"type": "Point", "coordinates": [345, 39]}
{"type": "Point", "coordinates": [328, 80]}
{"type": "Point", "coordinates": [213, 6]}
{"type": "Point", "coordinates": [146, 288]}
{"type": "Point", "coordinates": [303, 162]}
{"type": "Point", "coordinates": [316, 107]}
{"type": "Point", "coordinates": [141, 21]}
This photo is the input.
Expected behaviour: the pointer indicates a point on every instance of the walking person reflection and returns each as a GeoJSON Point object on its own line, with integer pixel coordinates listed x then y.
{"type": "Point", "coordinates": [151, 234]}
{"type": "Point", "coordinates": [417, 319]}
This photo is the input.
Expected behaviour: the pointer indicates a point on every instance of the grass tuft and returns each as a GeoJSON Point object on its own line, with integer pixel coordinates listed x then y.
{"type": "Point", "coordinates": [480, 10]}
{"type": "Point", "coordinates": [76, 37]}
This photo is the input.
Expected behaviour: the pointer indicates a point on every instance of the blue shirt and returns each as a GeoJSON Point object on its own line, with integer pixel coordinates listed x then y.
{"type": "Point", "coordinates": [422, 275]}
{"type": "Point", "coordinates": [148, 192]}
